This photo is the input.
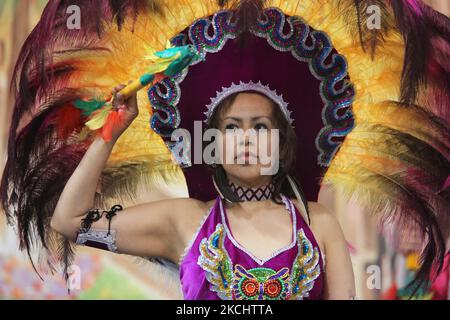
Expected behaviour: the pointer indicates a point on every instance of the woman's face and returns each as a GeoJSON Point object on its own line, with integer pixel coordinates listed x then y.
{"type": "Point", "coordinates": [248, 128]}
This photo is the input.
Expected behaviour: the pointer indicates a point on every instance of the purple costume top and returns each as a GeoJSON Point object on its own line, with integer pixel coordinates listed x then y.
{"type": "Point", "coordinates": [216, 266]}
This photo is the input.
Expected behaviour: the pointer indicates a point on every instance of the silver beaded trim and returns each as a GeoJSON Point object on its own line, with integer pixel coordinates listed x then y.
{"type": "Point", "coordinates": [100, 236]}
{"type": "Point", "coordinates": [247, 86]}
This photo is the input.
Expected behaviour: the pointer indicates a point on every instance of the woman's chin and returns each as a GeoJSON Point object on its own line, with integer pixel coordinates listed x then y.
{"type": "Point", "coordinates": [245, 171]}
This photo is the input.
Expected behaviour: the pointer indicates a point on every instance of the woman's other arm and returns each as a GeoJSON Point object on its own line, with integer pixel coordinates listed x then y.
{"type": "Point", "coordinates": [339, 278]}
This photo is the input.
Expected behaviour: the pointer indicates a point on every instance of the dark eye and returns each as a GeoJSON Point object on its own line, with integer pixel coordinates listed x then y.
{"type": "Point", "coordinates": [231, 126]}
{"type": "Point", "coordinates": [261, 126]}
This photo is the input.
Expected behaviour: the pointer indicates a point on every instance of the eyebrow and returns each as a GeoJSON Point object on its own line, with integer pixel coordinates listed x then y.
{"type": "Point", "coordinates": [240, 119]}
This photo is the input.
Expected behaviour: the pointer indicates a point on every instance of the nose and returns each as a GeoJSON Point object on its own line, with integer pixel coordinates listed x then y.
{"type": "Point", "coordinates": [245, 140]}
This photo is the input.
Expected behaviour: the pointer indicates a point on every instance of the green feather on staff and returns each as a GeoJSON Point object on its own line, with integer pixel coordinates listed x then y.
{"type": "Point", "coordinates": [164, 64]}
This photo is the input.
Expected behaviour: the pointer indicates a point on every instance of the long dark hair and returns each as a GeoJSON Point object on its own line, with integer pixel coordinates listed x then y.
{"type": "Point", "coordinates": [288, 153]}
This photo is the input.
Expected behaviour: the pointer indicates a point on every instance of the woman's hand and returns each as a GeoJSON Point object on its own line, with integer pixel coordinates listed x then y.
{"type": "Point", "coordinates": [128, 108]}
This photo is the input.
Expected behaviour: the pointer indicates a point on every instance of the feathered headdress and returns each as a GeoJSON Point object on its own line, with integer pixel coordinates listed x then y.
{"type": "Point", "coordinates": [396, 151]}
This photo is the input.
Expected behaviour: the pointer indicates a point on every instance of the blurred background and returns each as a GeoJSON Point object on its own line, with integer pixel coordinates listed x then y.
{"type": "Point", "coordinates": [380, 272]}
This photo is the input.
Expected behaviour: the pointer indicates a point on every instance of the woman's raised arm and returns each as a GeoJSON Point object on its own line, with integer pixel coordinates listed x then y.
{"type": "Point", "coordinates": [145, 230]}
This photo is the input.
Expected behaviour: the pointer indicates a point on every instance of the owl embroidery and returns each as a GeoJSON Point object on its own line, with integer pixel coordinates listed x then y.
{"type": "Point", "coordinates": [238, 283]}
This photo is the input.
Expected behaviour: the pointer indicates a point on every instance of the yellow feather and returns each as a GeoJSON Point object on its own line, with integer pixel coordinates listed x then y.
{"type": "Point", "coordinates": [99, 118]}
{"type": "Point", "coordinates": [159, 64]}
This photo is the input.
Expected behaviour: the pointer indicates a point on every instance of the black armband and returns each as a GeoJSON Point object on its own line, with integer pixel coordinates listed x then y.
{"type": "Point", "coordinates": [101, 239]}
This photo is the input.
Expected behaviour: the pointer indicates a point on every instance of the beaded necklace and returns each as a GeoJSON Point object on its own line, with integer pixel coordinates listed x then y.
{"type": "Point", "coordinates": [253, 194]}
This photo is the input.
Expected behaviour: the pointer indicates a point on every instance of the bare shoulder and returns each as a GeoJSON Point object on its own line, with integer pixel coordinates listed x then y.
{"type": "Point", "coordinates": [174, 212]}
{"type": "Point", "coordinates": [324, 218]}
{"type": "Point", "coordinates": [199, 210]}
{"type": "Point", "coordinates": [318, 212]}
{"type": "Point", "coordinates": [323, 221]}
{"type": "Point", "coordinates": [190, 203]}
{"type": "Point", "coordinates": [189, 208]}
{"type": "Point", "coordinates": [187, 213]}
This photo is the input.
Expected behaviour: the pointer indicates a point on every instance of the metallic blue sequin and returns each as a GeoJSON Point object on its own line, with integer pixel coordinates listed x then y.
{"type": "Point", "coordinates": [215, 241]}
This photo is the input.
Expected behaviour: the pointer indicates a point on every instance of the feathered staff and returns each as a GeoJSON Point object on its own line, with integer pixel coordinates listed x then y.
{"type": "Point", "coordinates": [101, 113]}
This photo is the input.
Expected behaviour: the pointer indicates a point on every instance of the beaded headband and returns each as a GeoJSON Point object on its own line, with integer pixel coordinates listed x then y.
{"type": "Point", "coordinates": [247, 86]}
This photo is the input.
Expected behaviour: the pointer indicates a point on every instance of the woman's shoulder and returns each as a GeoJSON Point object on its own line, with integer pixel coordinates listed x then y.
{"type": "Point", "coordinates": [316, 209]}
{"type": "Point", "coordinates": [190, 205]}
{"type": "Point", "coordinates": [319, 210]}
{"type": "Point", "coordinates": [187, 212]}
{"type": "Point", "coordinates": [188, 223]}
{"type": "Point", "coordinates": [322, 218]}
